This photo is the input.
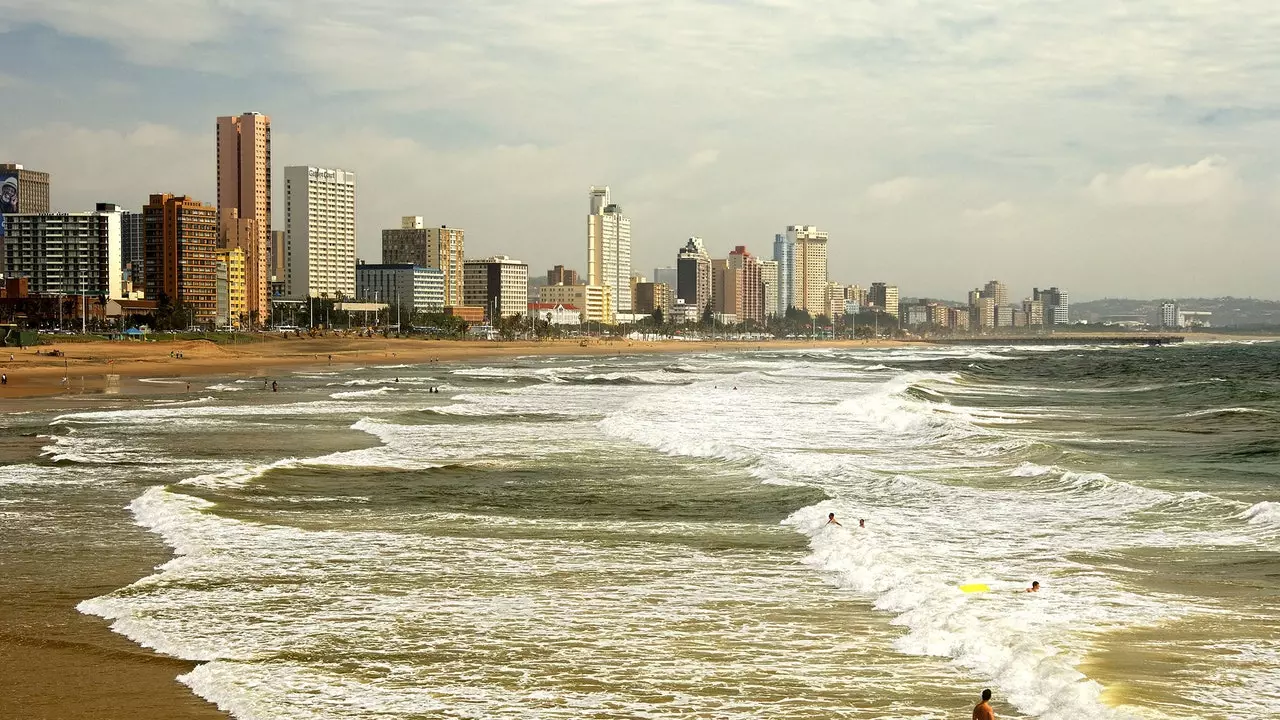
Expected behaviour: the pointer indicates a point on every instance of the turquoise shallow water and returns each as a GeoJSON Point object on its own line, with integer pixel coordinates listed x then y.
{"type": "Point", "coordinates": [644, 537]}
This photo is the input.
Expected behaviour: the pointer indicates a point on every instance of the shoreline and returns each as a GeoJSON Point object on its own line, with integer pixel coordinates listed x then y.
{"type": "Point", "coordinates": [119, 366]}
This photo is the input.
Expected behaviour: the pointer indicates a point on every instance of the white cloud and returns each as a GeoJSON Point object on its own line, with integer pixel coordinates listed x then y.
{"type": "Point", "coordinates": [897, 190]}
{"type": "Point", "coordinates": [1002, 209]}
{"type": "Point", "coordinates": [1210, 180]}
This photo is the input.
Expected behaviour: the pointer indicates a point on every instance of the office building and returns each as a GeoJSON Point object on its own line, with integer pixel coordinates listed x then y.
{"type": "Point", "coordinates": [132, 248]}
{"type": "Point", "coordinates": [244, 201]}
{"type": "Point", "coordinates": [594, 301]}
{"type": "Point", "coordinates": [320, 232]}
{"type": "Point", "coordinates": [181, 238]}
{"type": "Point", "coordinates": [769, 286]}
{"type": "Point", "coordinates": [750, 301]}
{"type": "Point", "coordinates": [833, 302]}
{"type": "Point", "coordinates": [560, 275]}
{"type": "Point", "coordinates": [651, 296]}
{"type": "Point", "coordinates": [726, 289]}
{"type": "Point", "coordinates": [407, 244]}
{"type": "Point", "coordinates": [609, 248]}
{"type": "Point", "coordinates": [499, 284]}
{"type": "Point", "coordinates": [65, 253]}
{"type": "Point", "coordinates": [668, 276]}
{"type": "Point", "coordinates": [693, 275]}
{"type": "Point", "coordinates": [884, 298]}
{"type": "Point", "coordinates": [1056, 305]}
{"type": "Point", "coordinates": [23, 190]}
{"type": "Point", "coordinates": [232, 288]}
{"type": "Point", "coordinates": [404, 288]}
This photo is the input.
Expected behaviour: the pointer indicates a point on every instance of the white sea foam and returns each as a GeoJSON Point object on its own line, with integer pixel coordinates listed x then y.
{"type": "Point", "coordinates": [353, 394]}
{"type": "Point", "coordinates": [1263, 513]}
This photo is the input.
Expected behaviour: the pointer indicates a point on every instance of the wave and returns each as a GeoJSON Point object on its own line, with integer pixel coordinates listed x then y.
{"type": "Point", "coordinates": [997, 636]}
{"type": "Point", "coordinates": [1226, 411]}
{"type": "Point", "coordinates": [351, 394]}
{"type": "Point", "coordinates": [1263, 513]}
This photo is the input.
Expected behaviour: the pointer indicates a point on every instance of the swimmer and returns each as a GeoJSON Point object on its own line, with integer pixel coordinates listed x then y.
{"type": "Point", "coordinates": [862, 522]}
{"type": "Point", "coordinates": [1035, 586]}
{"type": "Point", "coordinates": [831, 519]}
{"type": "Point", "coordinates": [274, 387]}
{"type": "Point", "coordinates": [983, 711]}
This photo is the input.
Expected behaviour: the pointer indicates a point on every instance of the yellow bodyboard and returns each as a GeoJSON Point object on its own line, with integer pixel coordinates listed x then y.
{"type": "Point", "coordinates": [974, 588]}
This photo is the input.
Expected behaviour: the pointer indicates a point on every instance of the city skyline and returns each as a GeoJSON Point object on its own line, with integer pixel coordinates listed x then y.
{"type": "Point", "coordinates": [955, 143]}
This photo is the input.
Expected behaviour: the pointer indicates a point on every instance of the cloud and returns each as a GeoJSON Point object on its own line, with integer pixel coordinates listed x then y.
{"type": "Point", "coordinates": [1002, 209]}
{"type": "Point", "coordinates": [897, 190]}
{"type": "Point", "coordinates": [1210, 180]}
{"type": "Point", "coordinates": [725, 119]}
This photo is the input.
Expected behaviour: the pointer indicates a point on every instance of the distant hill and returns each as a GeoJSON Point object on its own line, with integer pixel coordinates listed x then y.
{"type": "Point", "coordinates": [1227, 312]}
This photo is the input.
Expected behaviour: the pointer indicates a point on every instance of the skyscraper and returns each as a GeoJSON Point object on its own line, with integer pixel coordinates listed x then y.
{"type": "Point", "coordinates": [23, 190]}
{"type": "Point", "coordinates": [1056, 305]}
{"type": "Point", "coordinates": [498, 284]}
{"type": "Point", "coordinates": [751, 291]}
{"type": "Point", "coordinates": [244, 201]}
{"type": "Point", "coordinates": [997, 291]}
{"type": "Point", "coordinates": [66, 253]}
{"type": "Point", "coordinates": [609, 248]}
{"type": "Point", "coordinates": [769, 282]}
{"type": "Point", "coordinates": [784, 254]}
{"type": "Point", "coordinates": [693, 270]}
{"type": "Point", "coordinates": [320, 232]}
{"type": "Point", "coordinates": [809, 268]}
{"type": "Point", "coordinates": [181, 237]}
{"type": "Point", "coordinates": [884, 297]}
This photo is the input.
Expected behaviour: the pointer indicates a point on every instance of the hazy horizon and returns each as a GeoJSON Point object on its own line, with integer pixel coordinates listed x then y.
{"type": "Point", "coordinates": [1111, 152]}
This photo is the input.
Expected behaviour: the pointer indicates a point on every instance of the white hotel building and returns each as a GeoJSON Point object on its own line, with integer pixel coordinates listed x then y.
{"type": "Point", "coordinates": [320, 232]}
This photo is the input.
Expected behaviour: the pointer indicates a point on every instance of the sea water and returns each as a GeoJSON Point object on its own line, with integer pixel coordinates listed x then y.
{"type": "Point", "coordinates": [646, 536]}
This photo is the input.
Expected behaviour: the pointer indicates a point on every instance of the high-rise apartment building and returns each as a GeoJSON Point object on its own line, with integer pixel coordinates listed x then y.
{"type": "Point", "coordinates": [1034, 310]}
{"type": "Point", "coordinates": [834, 301]}
{"type": "Point", "coordinates": [244, 202]}
{"type": "Point", "coordinates": [650, 297]}
{"type": "Point", "coordinates": [320, 232]}
{"type": "Point", "coordinates": [233, 289]}
{"type": "Point", "coordinates": [65, 253]}
{"type": "Point", "coordinates": [181, 238]}
{"type": "Point", "coordinates": [751, 293]}
{"type": "Point", "coordinates": [609, 248]}
{"type": "Point", "coordinates": [884, 297]}
{"type": "Point", "coordinates": [443, 248]}
{"type": "Point", "coordinates": [1056, 305]}
{"type": "Point", "coordinates": [769, 286]}
{"type": "Point", "coordinates": [23, 190]}
{"type": "Point", "coordinates": [1169, 315]}
{"type": "Point", "coordinates": [693, 275]}
{"type": "Point", "coordinates": [997, 291]}
{"type": "Point", "coordinates": [405, 288]}
{"type": "Point", "coordinates": [560, 275]}
{"type": "Point", "coordinates": [801, 255]}
{"type": "Point", "coordinates": [499, 284]}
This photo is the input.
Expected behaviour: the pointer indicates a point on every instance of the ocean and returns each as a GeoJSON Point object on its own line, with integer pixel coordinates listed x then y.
{"type": "Point", "coordinates": [646, 537]}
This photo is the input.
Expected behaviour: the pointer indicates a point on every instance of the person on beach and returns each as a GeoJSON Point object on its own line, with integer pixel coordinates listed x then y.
{"type": "Point", "coordinates": [831, 519]}
{"type": "Point", "coordinates": [983, 711]}
{"type": "Point", "coordinates": [4, 378]}
{"type": "Point", "coordinates": [1035, 586]}
{"type": "Point", "coordinates": [274, 387]}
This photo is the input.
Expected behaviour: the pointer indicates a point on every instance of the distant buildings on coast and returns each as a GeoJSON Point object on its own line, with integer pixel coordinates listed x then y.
{"type": "Point", "coordinates": [227, 265]}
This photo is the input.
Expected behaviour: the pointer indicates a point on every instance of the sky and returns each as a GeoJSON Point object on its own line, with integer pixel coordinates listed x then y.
{"type": "Point", "coordinates": [1112, 148]}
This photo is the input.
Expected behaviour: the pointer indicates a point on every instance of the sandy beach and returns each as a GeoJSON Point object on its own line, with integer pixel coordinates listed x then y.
{"type": "Point", "coordinates": [116, 366]}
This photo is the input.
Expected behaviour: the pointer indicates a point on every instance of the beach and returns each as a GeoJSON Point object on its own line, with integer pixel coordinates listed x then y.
{"type": "Point", "coordinates": [616, 533]}
{"type": "Point", "coordinates": [115, 366]}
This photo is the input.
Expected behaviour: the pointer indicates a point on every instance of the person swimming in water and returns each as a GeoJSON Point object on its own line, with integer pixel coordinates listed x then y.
{"type": "Point", "coordinates": [831, 519]}
{"type": "Point", "coordinates": [862, 522]}
{"type": "Point", "coordinates": [1035, 586]}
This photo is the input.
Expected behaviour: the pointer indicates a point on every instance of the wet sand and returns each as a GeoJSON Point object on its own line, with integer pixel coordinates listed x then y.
{"type": "Point", "coordinates": [57, 663]}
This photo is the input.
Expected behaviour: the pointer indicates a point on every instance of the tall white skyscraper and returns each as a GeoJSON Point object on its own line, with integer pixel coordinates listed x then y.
{"type": "Point", "coordinates": [808, 272]}
{"type": "Point", "coordinates": [769, 278]}
{"type": "Point", "coordinates": [609, 248]}
{"type": "Point", "coordinates": [320, 232]}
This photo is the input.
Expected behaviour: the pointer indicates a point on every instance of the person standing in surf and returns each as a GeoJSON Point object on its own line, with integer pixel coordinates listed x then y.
{"type": "Point", "coordinates": [983, 711]}
{"type": "Point", "coordinates": [831, 519]}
